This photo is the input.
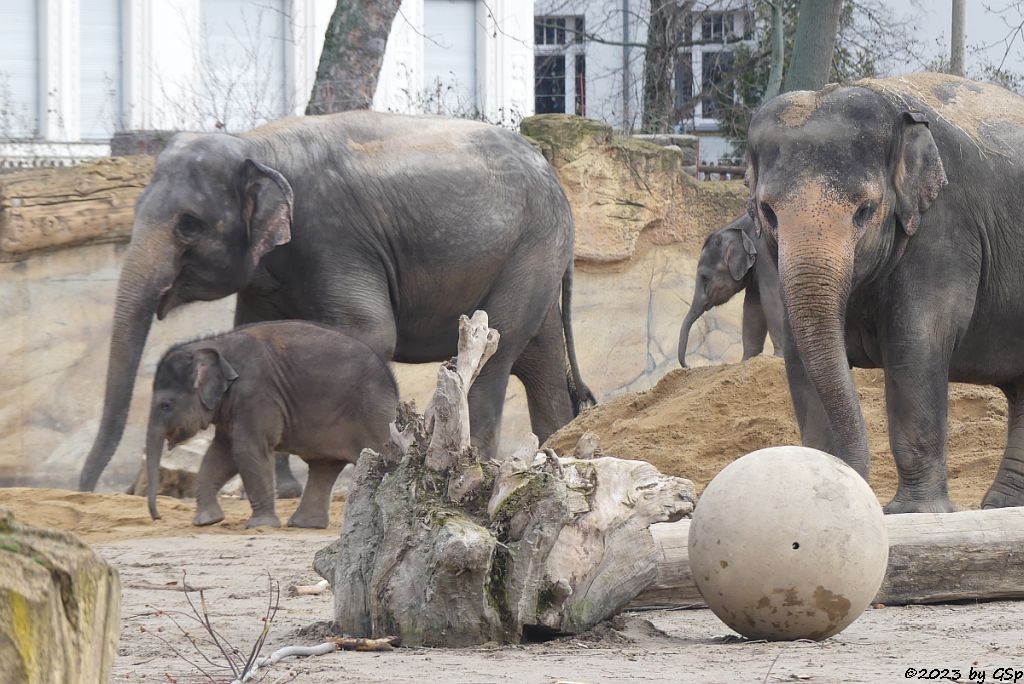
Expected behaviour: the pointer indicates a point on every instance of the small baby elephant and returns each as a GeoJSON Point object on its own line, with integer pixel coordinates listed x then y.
{"type": "Point", "coordinates": [291, 386]}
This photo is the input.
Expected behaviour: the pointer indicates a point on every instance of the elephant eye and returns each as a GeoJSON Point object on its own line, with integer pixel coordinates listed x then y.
{"type": "Point", "coordinates": [864, 213]}
{"type": "Point", "coordinates": [189, 227]}
{"type": "Point", "coordinates": [166, 405]}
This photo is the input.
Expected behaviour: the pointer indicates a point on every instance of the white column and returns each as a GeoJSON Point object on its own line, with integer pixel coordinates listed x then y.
{"type": "Point", "coordinates": [58, 72]}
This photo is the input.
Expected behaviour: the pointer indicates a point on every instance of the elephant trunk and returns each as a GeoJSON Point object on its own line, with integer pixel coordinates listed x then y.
{"type": "Point", "coordinates": [154, 450]}
{"type": "Point", "coordinates": [816, 280]}
{"type": "Point", "coordinates": [696, 311]}
{"type": "Point", "coordinates": [147, 273]}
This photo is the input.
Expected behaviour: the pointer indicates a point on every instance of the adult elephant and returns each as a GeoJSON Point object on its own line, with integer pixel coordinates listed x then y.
{"type": "Point", "coordinates": [734, 258]}
{"type": "Point", "coordinates": [895, 208]}
{"type": "Point", "coordinates": [387, 226]}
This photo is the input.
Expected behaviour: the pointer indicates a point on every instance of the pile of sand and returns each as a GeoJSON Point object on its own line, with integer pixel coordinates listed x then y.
{"type": "Point", "coordinates": [696, 421]}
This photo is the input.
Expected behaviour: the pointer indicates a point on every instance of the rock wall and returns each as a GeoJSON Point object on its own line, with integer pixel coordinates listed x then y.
{"type": "Point", "coordinates": [640, 223]}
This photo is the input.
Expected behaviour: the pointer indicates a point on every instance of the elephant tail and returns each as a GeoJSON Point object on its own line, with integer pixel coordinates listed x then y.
{"type": "Point", "coordinates": [579, 393]}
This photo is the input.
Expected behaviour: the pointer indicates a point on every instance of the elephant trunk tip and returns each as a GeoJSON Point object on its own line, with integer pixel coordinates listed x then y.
{"type": "Point", "coordinates": [153, 512]}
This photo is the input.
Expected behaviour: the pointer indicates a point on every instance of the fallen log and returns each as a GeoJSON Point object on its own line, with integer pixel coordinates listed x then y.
{"type": "Point", "coordinates": [933, 558]}
{"type": "Point", "coordinates": [444, 548]}
{"type": "Point", "coordinates": [47, 209]}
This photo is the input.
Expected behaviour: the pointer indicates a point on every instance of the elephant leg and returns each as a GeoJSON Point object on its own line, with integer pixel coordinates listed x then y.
{"type": "Point", "coordinates": [249, 309]}
{"type": "Point", "coordinates": [541, 368]}
{"type": "Point", "coordinates": [755, 326]}
{"type": "Point", "coordinates": [916, 399]}
{"type": "Point", "coordinates": [254, 461]}
{"type": "Point", "coordinates": [315, 507]}
{"type": "Point", "coordinates": [216, 469]}
{"type": "Point", "coordinates": [1008, 487]}
{"type": "Point", "coordinates": [287, 486]}
{"type": "Point", "coordinates": [487, 402]}
{"type": "Point", "coordinates": [769, 292]}
{"type": "Point", "coordinates": [815, 430]}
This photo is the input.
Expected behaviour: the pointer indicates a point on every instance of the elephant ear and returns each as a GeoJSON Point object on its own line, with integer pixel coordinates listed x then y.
{"type": "Point", "coordinates": [740, 256]}
{"type": "Point", "coordinates": [267, 208]}
{"type": "Point", "coordinates": [213, 376]}
{"type": "Point", "coordinates": [918, 174]}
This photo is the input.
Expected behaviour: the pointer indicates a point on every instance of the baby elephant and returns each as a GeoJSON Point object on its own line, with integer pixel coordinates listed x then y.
{"type": "Point", "coordinates": [734, 259]}
{"type": "Point", "coordinates": [290, 386]}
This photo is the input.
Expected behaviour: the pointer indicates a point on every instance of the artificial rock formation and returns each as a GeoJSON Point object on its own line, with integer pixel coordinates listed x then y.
{"type": "Point", "coordinates": [60, 607]}
{"type": "Point", "coordinates": [442, 548]}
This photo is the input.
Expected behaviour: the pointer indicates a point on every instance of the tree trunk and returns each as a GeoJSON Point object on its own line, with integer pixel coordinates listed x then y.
{"type": "Point", "coordinates": [814, 44]}
{"type": "Point", "coordinates": [60, 607]}
{"type": "Point", "coordinates": [958, 35]}
{"type": "Point", "coordinates": [353, 52]}
{"type": "Point", "coordinates": [442, 548]}
{"type": "Point", "coordinates": [933, 558]}
{"type": "Point", "coordinates": [659, 66]}
{"type": "Point", "coordinates": [778, 58]}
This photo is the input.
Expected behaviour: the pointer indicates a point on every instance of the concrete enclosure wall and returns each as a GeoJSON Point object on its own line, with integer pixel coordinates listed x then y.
{"type": "Point", "coordinates": [640, 223]}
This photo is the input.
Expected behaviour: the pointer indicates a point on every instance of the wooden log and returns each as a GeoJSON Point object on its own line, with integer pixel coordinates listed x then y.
{"type": "Point", "coordinates": [60, 607]}
{"type": "Point", "coordinates": [46, 209]}
{"type": "Point", "coordinates": [444, 548]}
{"type": "Point", "coordinates": [933, 558]}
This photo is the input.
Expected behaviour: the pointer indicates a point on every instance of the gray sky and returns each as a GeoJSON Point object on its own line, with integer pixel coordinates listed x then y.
{"type": "Point", "coordinates": [987, 30]}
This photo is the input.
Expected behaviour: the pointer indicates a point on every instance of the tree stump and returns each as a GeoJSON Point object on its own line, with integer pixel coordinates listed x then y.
{"type": "Point", "coordinates": [60, 607]}
{"type": "Point", "coordinates": [445, 549]}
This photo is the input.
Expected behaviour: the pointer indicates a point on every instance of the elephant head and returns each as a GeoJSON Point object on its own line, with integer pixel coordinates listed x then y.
{"type": "Point", "coordinates": [839, 179]}
{"type": "Point", "coordinates": [187, 389]}
{"type": "Point", "coordinates": [723, 270]}
{"type": "Point", "coordinates": [202, 225]}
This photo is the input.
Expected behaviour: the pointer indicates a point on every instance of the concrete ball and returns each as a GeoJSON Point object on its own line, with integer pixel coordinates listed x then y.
{"type": "Point", "coordinates": [788, 543]}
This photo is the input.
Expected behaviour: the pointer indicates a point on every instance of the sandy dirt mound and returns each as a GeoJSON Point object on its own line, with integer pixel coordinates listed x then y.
{"type": "Point", "coordinates": [696, 421]}
{"type": "Point", "coordinates": [110, 517]}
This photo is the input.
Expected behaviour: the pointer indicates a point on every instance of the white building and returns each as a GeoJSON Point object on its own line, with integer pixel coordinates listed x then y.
{"type": "Point", "coordinates": [73, 72]}
{"type": "Point", "coordinates": [590, 55]}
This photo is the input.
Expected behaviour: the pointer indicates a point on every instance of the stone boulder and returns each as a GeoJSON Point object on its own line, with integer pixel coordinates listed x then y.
{"type": "Point", "coordinates": [60, 607]}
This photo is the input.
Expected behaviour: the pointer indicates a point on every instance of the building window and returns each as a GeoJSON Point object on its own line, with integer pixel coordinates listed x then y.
{"type": "Point", "coordinates": [716, 26]}
{"type": "Point", "coordinates": [581, 85]}
{"type": "Point", "coordinates": [559, 65]}
{"type": "Point", "coordinates": [549, 85]}
{"type": "Point", "coordinates": [716, 75]}
{"type": "Point", "coordinates": [684, 79]}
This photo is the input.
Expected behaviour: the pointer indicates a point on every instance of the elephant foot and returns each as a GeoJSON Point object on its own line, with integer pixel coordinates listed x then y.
{"type": "Point", "coordinates": [937, 505]}
{"type": "Point", "coordinates": [263, 520]}
{"type": "Point", "coordinates": [998, 499]}
{"type": "Point", "coordinates": [317, 521]}
{"type": "Point", "coordinates": [288, 488]}
{"type": "Point", "coordinates": [208, 516]}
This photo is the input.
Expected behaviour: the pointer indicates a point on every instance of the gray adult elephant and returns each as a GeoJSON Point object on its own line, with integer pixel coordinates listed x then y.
{"type": "Point", "coordinates": [895, 206]}
{"type": "Point", "coordinates": [734, 259]}
{"type": "Point", "coordinates": [387, 226]}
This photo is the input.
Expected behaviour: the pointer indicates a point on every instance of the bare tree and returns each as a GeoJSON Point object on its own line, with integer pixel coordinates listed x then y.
{"type": "Point", "coordinates": [352, 56]}
{"type": "Point", "coordinates": [814, 44]}
{"type": "Point", "coordinates": [659, 64]}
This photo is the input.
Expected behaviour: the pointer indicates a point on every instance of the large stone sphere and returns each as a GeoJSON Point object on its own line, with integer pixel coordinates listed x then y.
{"type": "Point", "coordinates": [788, 543]}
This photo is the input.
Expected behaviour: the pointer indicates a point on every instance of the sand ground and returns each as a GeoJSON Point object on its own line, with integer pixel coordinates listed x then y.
{"type": "Point", "coordinates": [692, 424]}
{"type": "Point", "coordinates": [234, 567]}
{"type": "Point", "coordinates": [656, 646]}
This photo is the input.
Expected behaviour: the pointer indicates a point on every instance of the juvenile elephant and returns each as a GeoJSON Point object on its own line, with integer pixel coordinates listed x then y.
{"type": "Point", "coordinates": [895, 207]}
{"type": "Point", "coordinates": [734, 259]}
{"type": "Point", "coordinates": [305, 388]}
{"type": "Point", "coordinates": [387, 226]}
